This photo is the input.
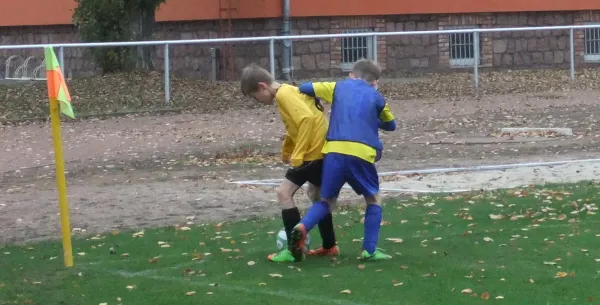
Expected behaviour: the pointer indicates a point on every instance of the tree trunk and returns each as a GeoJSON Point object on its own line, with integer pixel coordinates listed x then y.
{"type": "Point", "coordinates": [142, 27]}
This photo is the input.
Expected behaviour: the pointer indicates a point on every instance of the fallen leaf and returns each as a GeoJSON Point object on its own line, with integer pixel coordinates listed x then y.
{"type": "Point", "coordinates": [153, 260]}
{"type": "Point", "coordinates": [130, 287]}
{"type": "Point", "coordinates": [561, 274]}
{"type": "Point", "coordinates": [532, 281]}
{"type": "Point", "coordinates": [185, 228]}
{"type": "Point", "coordinates": [103, 304]}
{"type": "Point", "coordinates": [138, 234]}
{"type": "Point", "coordinates": [395, 240]}
{"type": "Point", "coordinates": [251, 263]}
{"type": "Point", "coordinates": [485, 295]}
{"type": "Point", "coordinates": [275, 275]}
{"type": "Point", "coordinates": [347, 291]}
{"type": "Point", "coordinates": [499, 297]}
{"type": "Point", "coordinates": [81, 253]}
{"type": "Point", "coordinates": [229, 273]}
{"type": "Point", "coordinates": [467, 291]}
{"type": "Point", "coordinates": [165, 246]}
{"type": "Point", "coordinates": [550, 263]}
{"type": "Point", "coordinates": [398, 284]}
{"type": "Point", "coordinates": [125, 254]}
{"type": "Point", "coordinates": [190, 293]}
{"type": "Point", "coordinates": [209, 293]}
{"type": "Point", "coordinates": [262, 284]}
{"type": "Point", "coordinates": [496, 217]}
{"type": "Point", "coordinates": [326, 275]}
{"type": "Point", "coordinates": [487, 239]}
{"type": "Point", "coordinates": [37, 283]}
{"type": "Point", "coordinates": [361, 266]}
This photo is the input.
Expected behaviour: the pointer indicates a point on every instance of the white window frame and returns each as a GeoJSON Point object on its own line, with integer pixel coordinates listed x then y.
{"type": "Point", "coordinates": [347, 63]}
{"type": "Point", "coordinates": [463, 62]}
{"type": "Point", "coordinates": [595, 33]}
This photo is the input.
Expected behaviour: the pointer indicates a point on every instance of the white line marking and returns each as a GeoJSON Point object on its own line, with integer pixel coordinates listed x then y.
{"type": "Point", "coordinates": [453, 169]}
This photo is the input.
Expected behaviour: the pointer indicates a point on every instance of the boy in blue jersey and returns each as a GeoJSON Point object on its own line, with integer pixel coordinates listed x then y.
{"type": "Point", "coordinates": [358, 111]}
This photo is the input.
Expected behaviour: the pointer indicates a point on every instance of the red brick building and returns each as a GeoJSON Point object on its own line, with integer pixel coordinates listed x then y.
{"type": "Point", "coordinates": [42, 21]}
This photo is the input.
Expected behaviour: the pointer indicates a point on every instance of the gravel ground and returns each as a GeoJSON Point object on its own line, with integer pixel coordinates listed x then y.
{"type": "Point", "coordinates": [134, 172]}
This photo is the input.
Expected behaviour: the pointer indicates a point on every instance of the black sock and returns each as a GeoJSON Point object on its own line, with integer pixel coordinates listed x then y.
{"type": "Point", "coordinates": [327, 232]}
{"type": "Point", "coordinates": [291, 217]}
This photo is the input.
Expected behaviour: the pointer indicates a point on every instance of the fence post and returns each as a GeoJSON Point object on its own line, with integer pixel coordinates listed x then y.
{"type": "Point", "coordinates": [374, 49]}
{"type": "Point", "coordinates": [476, 56]}
{"type": "Point", "coordinates": [61, 58]}
{"type": "Point", "coordinates": [167, 76]}
{"type": "Point", "coordinates": [213, 63]}
{"type": "Point", "coordinates": [572, 52]}
{"type": "Point", "coordinates": [272, 56]}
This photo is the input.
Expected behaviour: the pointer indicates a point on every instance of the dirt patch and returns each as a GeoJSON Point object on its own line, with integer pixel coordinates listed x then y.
{"type": "Point", "coordinates": [133, 172]}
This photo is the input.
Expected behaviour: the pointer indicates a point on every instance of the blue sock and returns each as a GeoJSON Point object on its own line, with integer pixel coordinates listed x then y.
{"type": "Point", "coordinates": [315, 214]}
{"type": "Point", "coordinates": [372, 224]}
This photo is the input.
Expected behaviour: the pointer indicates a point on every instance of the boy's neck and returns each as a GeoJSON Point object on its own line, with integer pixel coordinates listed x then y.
{"type": "Point", "coordinates": [274, 87]}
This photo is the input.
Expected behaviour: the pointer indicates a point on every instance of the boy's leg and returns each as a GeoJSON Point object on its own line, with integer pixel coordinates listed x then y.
{"type": "Point", "coordinates": [333, 180]}
{"type": "Point", "coordinates": [363, 178]}
{"type": "Point", "coordinates": [294, 179]}
{"type": "Point", "coordinates": [328, 247]}
{"type": "Point", "coordinates": [315, 179]}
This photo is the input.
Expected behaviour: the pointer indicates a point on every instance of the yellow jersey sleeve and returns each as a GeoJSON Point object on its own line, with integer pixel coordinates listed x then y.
{"type": "Point", "coordinates": [386, 115]}
{"type": "Point", "coordinates": [287, 148]}
{"type": "Point", "coordinates": [321, 90]}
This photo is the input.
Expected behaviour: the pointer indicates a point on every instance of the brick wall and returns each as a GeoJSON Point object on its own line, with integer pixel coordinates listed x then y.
{"type": "Point", "coordinates": [531, 48]}
{"type": "Point", "coordinates": [415, 52]}
{"type": "Point", "coordinates": [317, 58]}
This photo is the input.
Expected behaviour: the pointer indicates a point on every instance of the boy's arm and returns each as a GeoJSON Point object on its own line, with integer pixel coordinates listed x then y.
{"type": "Point", "coordinates": [321, 90]}
{"type": "Point", "coordinates": [286, 149]}
{"type": "Point", "coordinates": [305, 133]}
{"type": "Point", "coordinates": [302, 116]}
{"type": "Point", "coordinates": [386, 117]}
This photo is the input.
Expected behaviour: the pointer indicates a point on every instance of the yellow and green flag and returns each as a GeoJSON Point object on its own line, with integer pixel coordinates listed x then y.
{"type": "Point", "coordinates": [57, 87]}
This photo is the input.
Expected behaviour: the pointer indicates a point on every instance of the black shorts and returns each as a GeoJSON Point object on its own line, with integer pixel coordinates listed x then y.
{"type": "Point", "coordinates": [308, 172]}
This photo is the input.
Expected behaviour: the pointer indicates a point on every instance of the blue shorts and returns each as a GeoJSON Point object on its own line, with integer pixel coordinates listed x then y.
{"type": "Point", "coordinates": [339, 169]}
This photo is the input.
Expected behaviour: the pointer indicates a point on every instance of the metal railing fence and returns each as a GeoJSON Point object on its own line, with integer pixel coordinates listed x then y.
{"type": "Point", "coordinates": [271, 39]}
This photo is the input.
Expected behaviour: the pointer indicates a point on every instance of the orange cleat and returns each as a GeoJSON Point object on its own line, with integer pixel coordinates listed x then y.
{"type": "Point", "coordinates": [333, 251]}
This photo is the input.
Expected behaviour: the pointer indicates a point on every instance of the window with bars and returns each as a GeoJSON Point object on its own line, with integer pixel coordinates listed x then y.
{"type": "Point", "coordinates": [462, 49]}
{"type": "Point", "coordinates": [592, 44]}
{"type": "Point", "coordinates": [355, 48]}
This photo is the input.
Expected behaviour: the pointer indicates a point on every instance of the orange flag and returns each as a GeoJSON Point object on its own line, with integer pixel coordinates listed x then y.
{"type": "Point", "coordinates": [57, 87]}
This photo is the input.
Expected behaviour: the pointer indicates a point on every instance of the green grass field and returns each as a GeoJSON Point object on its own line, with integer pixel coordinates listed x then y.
{"type": "Point", "coordinates": [527, 246]}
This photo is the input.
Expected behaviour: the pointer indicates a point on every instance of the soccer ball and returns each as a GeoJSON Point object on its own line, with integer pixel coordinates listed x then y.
{"type": "Point", "coordinates": [282, 240]}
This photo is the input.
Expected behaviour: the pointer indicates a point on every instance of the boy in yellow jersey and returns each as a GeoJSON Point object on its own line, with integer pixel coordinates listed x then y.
{"type": "Point", "coordinates": [358, 111]}
{"type": "Point", "coordinates": [306, 126]}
